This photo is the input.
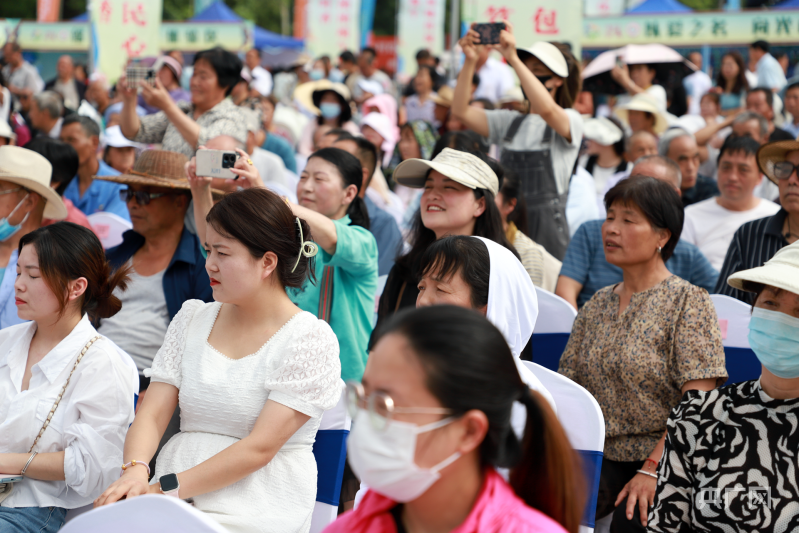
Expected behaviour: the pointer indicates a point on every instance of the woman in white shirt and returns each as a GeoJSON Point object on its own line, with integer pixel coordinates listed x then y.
{"type": "Point", "coordinates": [252, 374]}
{"type": "Point", "coordinates": [56, 367]}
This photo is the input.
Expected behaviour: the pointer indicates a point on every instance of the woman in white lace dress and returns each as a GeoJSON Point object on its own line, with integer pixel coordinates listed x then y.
{"type": "Point", "coordinates": [254, 375]}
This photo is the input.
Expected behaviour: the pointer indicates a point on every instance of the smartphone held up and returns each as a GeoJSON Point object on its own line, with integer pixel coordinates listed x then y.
{"type": "Point", "coordinates": [137, 72]}
{"type": "Point", "coordinates": [216, 164]}
{"type": "Point", "coordinates": [489, 31]}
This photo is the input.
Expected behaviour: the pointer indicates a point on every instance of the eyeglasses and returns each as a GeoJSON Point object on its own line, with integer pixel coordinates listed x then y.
{"type": "Point", "coordinates": [784, 169]}
{"type": "Point", "coordinates": [142, 198]}
{"type": "Point", "coordinates": [9, 191]}
{"type": "Point", "coordinates": [381, 406]}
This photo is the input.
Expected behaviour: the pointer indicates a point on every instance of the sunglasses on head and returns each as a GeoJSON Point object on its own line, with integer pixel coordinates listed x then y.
{"type": "Point", "coordinates": [142, 198]}
{"type": "Point", "coordinates": [784, 169]}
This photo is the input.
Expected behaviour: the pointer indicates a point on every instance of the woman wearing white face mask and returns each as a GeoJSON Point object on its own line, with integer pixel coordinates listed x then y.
{"type": "Point", "coordinates": [332, 100]}
{"type": "Point", "coordinates": [727, 447]}
{"type": "Point", "coordinates": [431, 422]}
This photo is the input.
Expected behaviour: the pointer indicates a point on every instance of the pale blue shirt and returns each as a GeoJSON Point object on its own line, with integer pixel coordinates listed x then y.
{"type": "Point", "coordinates": [8, 307]}
{"type": "Point", "coordinates": [770, 73]}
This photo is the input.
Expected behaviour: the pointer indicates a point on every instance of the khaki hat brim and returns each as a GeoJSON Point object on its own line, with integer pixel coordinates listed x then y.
{"type": "Point", "coordinates": [54, 208]}
{"type": "Point", "coordinates": [304, 93]}
{"type": "Point", "coordinates": [154, 181]}
{"type": "Point", "coordinates": [661, 124]}
{"type": "Point", "coordinates": [413, 173]}
{"type": "Point", "coordinates": [777, 274]}
{"type": "Point", "coordinates": [771, 153]}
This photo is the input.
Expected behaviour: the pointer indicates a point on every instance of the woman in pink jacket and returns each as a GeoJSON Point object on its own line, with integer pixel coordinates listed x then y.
{"type": "Point", "coordinates": [431, 423]}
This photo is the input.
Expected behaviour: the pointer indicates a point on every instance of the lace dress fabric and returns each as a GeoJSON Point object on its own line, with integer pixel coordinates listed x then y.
{"type": "Point", "coordinates": [220, 399]}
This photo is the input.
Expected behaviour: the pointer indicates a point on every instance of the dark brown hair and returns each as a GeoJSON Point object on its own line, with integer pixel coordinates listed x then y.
{"type": "Point", "coordinates": [468, 365]}
{"type": "Point", "coordinates": [740, 84]}
{"type": "Point", "coordinates": [260, 220]}
{"type": "Point", "coordinates": [67, 252]}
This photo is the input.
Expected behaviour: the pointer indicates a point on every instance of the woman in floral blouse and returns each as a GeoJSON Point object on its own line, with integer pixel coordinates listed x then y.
{"type": "Point", "coordinates": [639, 345]}
{"type": "Point", "coordinates": [731, 454]}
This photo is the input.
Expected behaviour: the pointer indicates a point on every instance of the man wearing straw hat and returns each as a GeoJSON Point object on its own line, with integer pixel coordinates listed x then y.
{"type": "Point", "coordinates": [168, 266]}
{"type": "Point", "coordinates": [757, 241]}
{"type": "Point", "coordinates": [25, 199]}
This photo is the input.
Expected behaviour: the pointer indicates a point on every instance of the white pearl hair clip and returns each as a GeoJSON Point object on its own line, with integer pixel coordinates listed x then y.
{"type": "Point", "coordinates": [307, 248]}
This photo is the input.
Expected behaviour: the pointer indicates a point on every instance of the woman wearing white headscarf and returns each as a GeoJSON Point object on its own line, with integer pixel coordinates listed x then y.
{"type": "Point", "coordinates": [480, 274]}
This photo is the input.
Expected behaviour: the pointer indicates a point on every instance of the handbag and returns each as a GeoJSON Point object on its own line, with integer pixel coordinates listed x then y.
{"type": "Point", "coordinates": [7, 488]}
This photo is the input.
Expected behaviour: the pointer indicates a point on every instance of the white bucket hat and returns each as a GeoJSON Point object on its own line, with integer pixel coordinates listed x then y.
{"type": "Point", "coordinates": [113, 137]}
{"type": "Point", "coordinates": [463, 167]}
{"type": "Point", "coordinates": [5, 131]}
{"type": "Point", "coordinates": [549, 55]}
{"type": "Point", "coordinates": [642, 102]}
{"type": "Point", "coordinates": [602, 131]}
{"type": "Point", "coordinates": [32, 171]}
{"type": "Point", "coordinates": [781, 271]}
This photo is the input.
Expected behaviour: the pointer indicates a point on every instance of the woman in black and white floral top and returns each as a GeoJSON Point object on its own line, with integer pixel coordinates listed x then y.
{"type": "Point", "coordinates": [731, 460]}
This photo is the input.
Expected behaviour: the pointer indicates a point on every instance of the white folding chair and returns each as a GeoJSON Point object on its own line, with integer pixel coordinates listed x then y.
{"type": "Point", "coordinates": [150, 513]}
{"type": "Point", "coordinates": [581, 418]}
{"type": "Point", "coordinates": [552, 328]}
{"type": "Point", "coordinates": [742, 363]}
{"type": "Point", "coordinates": [109, 228]}
{"type": "Point", "coordinates": [330, 451]}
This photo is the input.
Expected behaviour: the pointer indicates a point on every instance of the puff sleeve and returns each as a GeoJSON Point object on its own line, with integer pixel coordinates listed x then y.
{"type": "Point", "coordinates": [308, 378]}
{"type": "Point", "coordinates": [166, 364]}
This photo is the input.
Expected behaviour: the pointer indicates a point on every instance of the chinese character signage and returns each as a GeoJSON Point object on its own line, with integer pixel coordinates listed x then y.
{"type": "Point", "coordinates": [716, 28]}
{"type": "Point", "coordinates": [533, 20]}
{"type": "Point", "coordinates": [332, 26]}
{"type": "Point", "coordinates": [66, 36]}
{"type": "Point", "coordinates": [420, 25]}
{"type": "Point", "coordinates": [125, 29]}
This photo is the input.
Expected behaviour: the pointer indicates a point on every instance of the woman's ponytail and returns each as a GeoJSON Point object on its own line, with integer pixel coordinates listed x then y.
{"type": "Point", "coordinates": [549, 476]}
{"type": "Point", "coordinates": [103, 303]}
{"type": "Point", "coordinates": [359, 215]}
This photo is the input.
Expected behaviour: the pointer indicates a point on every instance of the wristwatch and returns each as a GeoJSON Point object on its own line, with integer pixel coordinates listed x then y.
{"type": "Point", "coordinates": [170, 485]}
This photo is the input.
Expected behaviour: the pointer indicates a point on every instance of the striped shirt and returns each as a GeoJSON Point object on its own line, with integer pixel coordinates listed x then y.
{"type": "Point", "coordinates": [753, 244]}
{"type": "Point", "coordinates": [542, 266]}
{"type": "Point", "coordinates": [585, 263]}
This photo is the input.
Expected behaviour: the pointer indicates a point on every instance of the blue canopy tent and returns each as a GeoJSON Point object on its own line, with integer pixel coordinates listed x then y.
{"type": "Point", "coordinates": [220, 12]}
{"type": "Point", "coordinates": [788, 4]}
{"type": "Point", "coordinates": [659, 6]}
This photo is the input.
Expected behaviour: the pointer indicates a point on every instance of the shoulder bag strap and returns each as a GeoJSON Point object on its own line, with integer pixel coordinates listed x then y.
{"type": "Point", "coordinates": [326, 294]}
{"type": "Point", "coordinates": [63, 390]}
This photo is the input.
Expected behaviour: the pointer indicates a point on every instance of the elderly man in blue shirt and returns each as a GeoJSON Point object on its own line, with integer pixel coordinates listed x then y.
{"type": "Point", "coordinates": [91, 195]}
{"type": "Point", "coordinates": [585, 269]}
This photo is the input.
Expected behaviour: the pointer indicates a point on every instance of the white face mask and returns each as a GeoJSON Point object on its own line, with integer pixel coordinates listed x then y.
{"type": "Point", "coordinates": [384, 460]}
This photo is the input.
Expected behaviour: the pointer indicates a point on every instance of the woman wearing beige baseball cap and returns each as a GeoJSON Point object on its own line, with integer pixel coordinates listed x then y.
{"type": "Point", "coordinates": [540, 146]}
{"type": "Point", "coordinates": [458, 199]}
{"type": "Point", "coordinates": [746, 432]}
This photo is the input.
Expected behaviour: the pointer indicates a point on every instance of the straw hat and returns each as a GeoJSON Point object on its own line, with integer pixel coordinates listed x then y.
{"type": "Point", "coordinates": [642, 102]}
{"type": "Point", "coordinates": [602, 131]}
{"type": "Point", "coordinates": [781, 271]}
{"type": "Point", "coordinates": [309, 94]}
{"type": "Point", "coordinates": [157, 168]}
{"type": "Point", "coordinates": [549, 55]}
{"type": "Point", "coordinates": [463, 167]}
{"type": "Point", "coordinates": [443, 96]}
{"type": "Point", "coordinates": [775, 152]}
{"type": "Point", "coordinates": [32, 171]}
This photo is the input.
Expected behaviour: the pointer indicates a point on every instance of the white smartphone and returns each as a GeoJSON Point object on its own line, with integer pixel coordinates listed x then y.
{"type": "Point", "coordinates": [216, 164]}
{"type": "Point", "coordinates": [11, 479]}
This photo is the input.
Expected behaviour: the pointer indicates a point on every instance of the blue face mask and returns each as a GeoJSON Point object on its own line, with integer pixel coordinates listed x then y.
{"type": "Point", "coordinates": [6, 229]}
{"type": "Point", "coordinates": [316, 74]}
{"type": "Point", "coordinates": [774, 337]}
{"type": "Point", "coordinates": [330, 110]}
{"type": "Point", "coordinates": [336, 76]}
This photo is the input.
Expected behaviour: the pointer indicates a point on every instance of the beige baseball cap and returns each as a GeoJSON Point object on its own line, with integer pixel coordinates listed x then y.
{"type": "Point", "coordinates": [463, 167]}
{"type": "Point", "coordinates": [549, 55]}
{"type": "Point", "coordinates": [32, 171]}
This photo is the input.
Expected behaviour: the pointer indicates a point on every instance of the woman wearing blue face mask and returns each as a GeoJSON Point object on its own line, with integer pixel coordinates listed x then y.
{"type": "Point", "coordinates": [332, 100]}
{"type": "Point", "coordinates": [730, 461]}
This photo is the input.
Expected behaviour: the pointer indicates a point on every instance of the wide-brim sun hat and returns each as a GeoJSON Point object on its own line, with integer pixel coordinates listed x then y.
{"type": "Point", "coordinates": [781, 271]}
{"type": "Point", "coordinates": [642, 102]}
{"type": "Point", "coordinates": [602, 131]}
{"type": "Point", "coordinates": [309, 94]}
{"type": "Point", "coordinates": [775, 152]}
{"type": "Point", "coordinates": [549, 55]}
{"type": "Point", "coordinates": [32, 171]}
{"type": "Point", "coordinates": [158, 168]}
{"type": "Point", "coordinates": [463, 167]}
{"type": "Point", "coordinates": [444, 96]}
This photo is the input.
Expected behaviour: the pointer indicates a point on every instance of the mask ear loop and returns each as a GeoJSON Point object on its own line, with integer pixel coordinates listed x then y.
{"type": "Point", "coordinates": [11, 214]}
{"type": "Point", "coordinates": [308, 249]}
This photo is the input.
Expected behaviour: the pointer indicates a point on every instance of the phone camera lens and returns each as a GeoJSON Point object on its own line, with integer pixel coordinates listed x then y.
{"type": "Point", "coordinates": [228, 160]}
